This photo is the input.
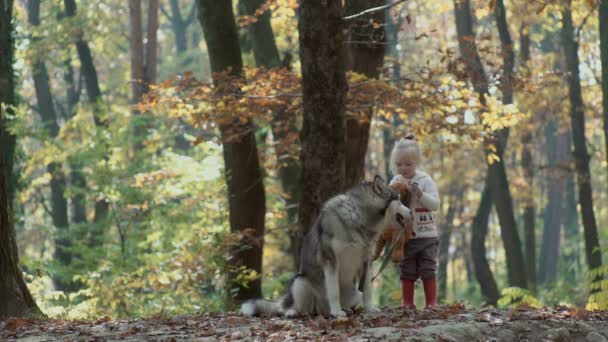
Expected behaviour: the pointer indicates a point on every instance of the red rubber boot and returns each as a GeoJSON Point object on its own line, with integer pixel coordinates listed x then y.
{"type": "Point", "coordinates": [407, 294]}
{"type": "Point", "coordinates": [430, 292]}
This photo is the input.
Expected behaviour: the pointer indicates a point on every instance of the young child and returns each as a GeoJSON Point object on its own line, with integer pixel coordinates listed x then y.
{"type": "Point", "coordinates": [420, 256]}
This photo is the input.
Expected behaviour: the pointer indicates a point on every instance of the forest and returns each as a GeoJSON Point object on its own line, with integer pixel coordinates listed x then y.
{"type": "Point", "coordinates": [164, 159]}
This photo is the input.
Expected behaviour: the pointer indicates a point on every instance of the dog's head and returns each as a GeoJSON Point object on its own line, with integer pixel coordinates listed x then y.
{"type": "Point", "coordinates": [391, 206]}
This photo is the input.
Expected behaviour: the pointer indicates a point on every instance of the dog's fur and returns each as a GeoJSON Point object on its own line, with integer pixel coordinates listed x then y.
{"type": "Point", "coordinates": [335, 251]}
{"type": "Point", "coordinates": [391, 233]}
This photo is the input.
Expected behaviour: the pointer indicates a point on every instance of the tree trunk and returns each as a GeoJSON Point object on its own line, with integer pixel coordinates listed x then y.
{"type": "Point", "coordinates": [550, 249]}
{"type": "Point", "coordinates": [15, 298]}
{"type": "Point", "coordinates": [324, 91]}
{"type": "Point", "coordinates": [87, 67]}
{"type": "Point", "coordinates": [455, 206]}
{"type": "Point", "coordinates": [571, 255]}
{"type": "Point", "coordinates": [527, 164]}
{"type": "Point", "coordinates": [581, 157]}
{"type": "Point", "coordinates": [46, 107]}
{"type": "Point", "coordinates": [243, 174]}
{"type": "Point", "coordinates": [78, 182]}
{"type": "Point", "coordinates": [7, 93]}
{"type": "Point", "coordinates": [603, 17]}
{"type": "Point", "coordinates": [266, 55]}
{"type": "Point", "coordinates": [365, 55]}
{"type": "Point", "coordinates": [151, 48]}
{"type": "Point", "coordinates": [483, 273]}
{"type": "Point", "coordinates": [179, 26]}
{"type": "Point", "coordinates": [497, 176]}
{"type": "Point", "coordinates": [136, 43]}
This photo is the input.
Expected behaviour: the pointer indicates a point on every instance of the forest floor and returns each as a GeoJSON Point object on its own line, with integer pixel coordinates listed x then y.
{"type": "Point", "coordinates": [444, 323]}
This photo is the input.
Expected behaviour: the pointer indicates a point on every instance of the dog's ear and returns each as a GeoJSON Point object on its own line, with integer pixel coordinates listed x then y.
{"type": "Point", "coordinates": [379, 185]}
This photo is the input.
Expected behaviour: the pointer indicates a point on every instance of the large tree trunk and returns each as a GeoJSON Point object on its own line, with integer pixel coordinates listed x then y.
{"type": "Point", "coordinates": [556, 178]}
{"type": "Point", "coordinates": [7, 93]}
{"type": "Point", "coordinates": [324, 91]}
{"type": "Point", "coordinates": [365, 55]}
{"type": "Point", "coordinates": [581, 157]}
{"type": "Point", "coordinates": [527, 164]}
{"type": "Point", "coordinates": [497, 175]}
{"type": "Point", "coordinates": [15, 298]}
{"type": "Point", "coordinates": [501, 192]}
{"type": "Point", "coordinates": [243, 174]}
{"type": "Point", "coordinates": [483, 273]}
{"type": "Point", "coordinates": [87, 67]}
{"type": "Point", "coordinates": [46, 107]}
{"type": "Point", "coordinates": [266, 55]}
{"type": "Point", "coordinates": [151, 47]}
{"type": "Point", "coordinates": [603, 16]}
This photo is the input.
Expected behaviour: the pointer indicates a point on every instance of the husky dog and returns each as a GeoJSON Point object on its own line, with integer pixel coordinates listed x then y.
{"type": "Point", "coordinates": [336, 254]}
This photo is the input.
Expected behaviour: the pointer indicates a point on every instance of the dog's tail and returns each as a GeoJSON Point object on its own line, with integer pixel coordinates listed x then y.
{"type": "Point", "coordinates": [257, 307]}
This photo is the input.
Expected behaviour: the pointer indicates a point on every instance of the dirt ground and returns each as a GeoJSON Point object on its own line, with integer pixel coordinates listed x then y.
{"type": "Point", "coordinates": [444, 323]}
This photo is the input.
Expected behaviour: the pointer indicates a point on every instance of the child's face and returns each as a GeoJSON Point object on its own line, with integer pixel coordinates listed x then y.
{"type": "Point", "coordinates": [406, 165]}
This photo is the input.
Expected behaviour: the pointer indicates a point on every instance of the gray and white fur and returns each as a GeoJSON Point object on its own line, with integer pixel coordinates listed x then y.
{"type": "Point", "coordinates": [335, 253]}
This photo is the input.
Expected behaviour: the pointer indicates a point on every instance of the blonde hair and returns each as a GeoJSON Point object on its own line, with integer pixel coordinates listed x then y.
{"type": "Point", "coordinates": [410, 147]}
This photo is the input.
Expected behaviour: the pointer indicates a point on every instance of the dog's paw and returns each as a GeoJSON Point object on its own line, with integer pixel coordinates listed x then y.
{"type": "Point", "coordinates": [372, 308]}
{"type": "Point", "coordinates": [291, 313]}
{"type": "Point", "coordinates": [338, 313]}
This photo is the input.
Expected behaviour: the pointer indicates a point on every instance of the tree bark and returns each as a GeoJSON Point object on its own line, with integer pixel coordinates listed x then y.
{"type": "Point", "coordinates": [151, 48]}
{"type": "Point", "coordinates": [136, 43]}
{"type": "Point", "coordinates": [324, 91]}
{"type": "Point", "coordinates": [502, 198]}
{"type": "Point", "coordinates": [365, 55]}
{"type": "Point", "coordinates": [483, 273]}
{"type": "Point", "coordinates": [527, 164]}
{"type": "Point", "coordinates": [7, 93]}
{"type": "Point", "coordinates": [550, 248]}
{"type": "Point", "coordinates": [603, 17]}
{"type": "Point", "coordinates": [266, 55]}
{"type": "Point", "coordinates": [46, 108]}
{"type": "Point", "coordinates": [77, 179]}
{"type": "Point", "coordinates": [497, 176]}
{"type": "Point", "coordinates": [15, 298]}
{"type": "Point", "coordinates": [87, 67]}
{"type": "Point", "coordinates": [455, 206]}
{"type": "Point", "coordinates": [581, 157]}
{"type": "Point", "coordinates": [243, 173]}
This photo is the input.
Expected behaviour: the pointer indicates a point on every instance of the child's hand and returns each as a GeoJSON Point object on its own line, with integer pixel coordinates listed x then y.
{"type": "Point", "coordinates": [414, 187]}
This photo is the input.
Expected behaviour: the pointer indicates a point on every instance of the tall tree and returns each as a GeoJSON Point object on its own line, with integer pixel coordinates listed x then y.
{"type": "Point", "coordinates": [143, 57]}
{"type": "Point", "coordinates": [501, 193]}
{"type": "Point", "coordinates": [529, 205]}
{"type": "Point", "coordinates": [246, 196]}
{"type": "Point", "coordinates": [581, 157]}
{"type": "Point", "coordinates": [179, 25]}
{"type": "Point", "coordinates": [46, 108]}
{"type": "Point", "coordinates": [497, 182]}
{"type": "Point", "coordinates": [455, 194]}
{"type": "Point", "coordinates": [603, 16]}
{"type": "Point", "coordinates": [556, 148]}
{"type": "Point", "coordinates": [7, 93]}
{"type": "Point", "coordinates": [365, 55]}
{"type": "Point", "coordinates": [87, 67]}
{"type": "Point", "coordinates": [15, 297]}
{"type": "Point", "coordinates": [266, 55]}
{"type": "Point", "coordinates": [324, 90]}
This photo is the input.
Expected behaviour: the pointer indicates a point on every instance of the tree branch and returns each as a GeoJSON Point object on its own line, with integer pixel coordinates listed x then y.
{"type": "Point", "coordinates": [165, 13]}
{"type": "Point", "coordinates": [372, 10]}
{"type": "Point", "coordinates": [191, 15]}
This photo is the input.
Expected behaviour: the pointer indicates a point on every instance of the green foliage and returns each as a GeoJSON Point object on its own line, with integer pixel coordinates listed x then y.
{"type": "Point", "coordinates": [598, 299]}
{"type": "Point", "coordinates": [515, 296]}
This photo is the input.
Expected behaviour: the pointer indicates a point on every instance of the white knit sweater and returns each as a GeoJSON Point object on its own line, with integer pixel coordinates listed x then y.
{"type": "Point", "coordinates": [423, 207]}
